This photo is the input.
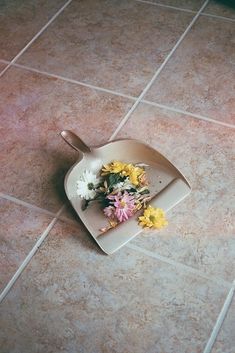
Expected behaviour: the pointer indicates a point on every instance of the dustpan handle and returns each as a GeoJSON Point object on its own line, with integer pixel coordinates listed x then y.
{"type": "Point", "coordinates": [74, 141]}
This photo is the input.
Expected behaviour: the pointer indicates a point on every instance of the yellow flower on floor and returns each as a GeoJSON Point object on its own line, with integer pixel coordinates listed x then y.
{"type": "Point", "coordinates": [113, 167]}
{"type": "Point", "coordinates": [153, 218]}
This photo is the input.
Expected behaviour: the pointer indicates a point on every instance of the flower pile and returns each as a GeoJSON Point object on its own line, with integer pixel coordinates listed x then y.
{"type": "Point", "coordinates": [122, 190]}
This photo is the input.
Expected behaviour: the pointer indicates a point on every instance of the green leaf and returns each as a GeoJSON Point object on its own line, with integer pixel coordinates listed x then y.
{"type": "Point", "coordinates": [146, 191]}
{"type": "Point", "coordinates": [113, 179]}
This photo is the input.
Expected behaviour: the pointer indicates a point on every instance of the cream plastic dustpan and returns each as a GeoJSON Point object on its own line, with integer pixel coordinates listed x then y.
{"type": "Point", "coordinates": [167, 185]}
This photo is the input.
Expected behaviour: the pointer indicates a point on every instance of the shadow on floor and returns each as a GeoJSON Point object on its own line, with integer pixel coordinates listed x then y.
{"type": "Point", "coordinates": [228, 3]}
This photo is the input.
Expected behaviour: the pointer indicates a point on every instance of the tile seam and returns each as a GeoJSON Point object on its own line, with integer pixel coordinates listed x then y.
{"type": "Point", "coordinates": [218, 16]}
{"type": "Point", "coordinates": [208, 14]}
{"type": "Point", "coordinates": [167, 6]}
{"type": "Point", "coordinates": [164, 259]}
{"type": "Point", "coordinates": [41, 239]}
{"type": "Point", "coordinates": [158, 71]}
{"type": "Point", "coordinates": [2, 61]}
{"type": "Point", "coordinates": [36, 36]}
{"type": "Point", "coordinates": [70, 80]}
{"type": "Point", "coordinates": [163, 106]}
{"type": "Point", "coordinates": [180, 266]}
{"type": "Point", "coordinates": [105, 90]}
{"type": "Point", "coordinates": [26, 204]}
{"type": "Point", "coordinates": [43, 236]}
{"type": "Point", "coordinates": [138, 100]}
{"type": "Point", "coordinates": [30, 255]}
{"type": "Point", "coordinates": [220, 320]}
{"type": "Point", "coordinates": [185, 112]}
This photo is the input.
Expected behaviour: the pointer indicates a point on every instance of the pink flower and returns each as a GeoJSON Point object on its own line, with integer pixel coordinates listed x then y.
{"type": "Point", "coordinates": [109, 212]}
{"type": "Point", "coordinates": [124, 205]}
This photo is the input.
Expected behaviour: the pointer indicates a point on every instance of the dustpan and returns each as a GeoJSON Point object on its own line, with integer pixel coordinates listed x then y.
{"type": "Point", "coordinates": [167, 185]}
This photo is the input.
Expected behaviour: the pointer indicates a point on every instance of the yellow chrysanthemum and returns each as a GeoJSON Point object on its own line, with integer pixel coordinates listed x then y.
{"type": "Point", "coordinates": [153, 218]}
{"type": "Point", "coordinates": [133, 173]}
{"type": "Point", "coordinates": [113, 167]}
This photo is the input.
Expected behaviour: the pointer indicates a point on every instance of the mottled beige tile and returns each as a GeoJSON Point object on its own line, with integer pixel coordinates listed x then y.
{"type": "Point", "coordinates": [199, 77]}
{"type": "Point", "coordinates": [225, 8]}
{"type": "Point", "coordinates": [225, 341]}
{"type": "Point", "coordinates": [2, 66]}
{"type": "Point", "coordinates": [201, 228]}
{"type": "Point", "coordinates": [21, 20]}
{"type": "Point", "coordinates": [19, 229]}
{"type": "Point", "coordinates": [112, 44]}
{"type": "Point", "coordinates": [35, 108]}
{"type": "Point", "coordinates": [71, 295]}
{"type": "Point", "coordinates": [183, 4]}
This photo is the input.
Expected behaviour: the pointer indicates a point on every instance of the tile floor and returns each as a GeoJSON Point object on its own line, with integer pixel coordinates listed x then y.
{"type": "Point", "coordinates": [160, 71]}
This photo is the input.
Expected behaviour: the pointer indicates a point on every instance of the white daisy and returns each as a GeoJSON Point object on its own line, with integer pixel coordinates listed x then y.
{"type": "Point", "coordinates": [86, 186]}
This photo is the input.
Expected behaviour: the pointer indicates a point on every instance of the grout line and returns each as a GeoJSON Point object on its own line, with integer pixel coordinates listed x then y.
{"type": "Point", "coordinates": [30, 255]}
{"type": "Point", "coordinates": [36, 36]}
{"type": "Point", "coordinates": [106, 90]}
{"type": "Point", "coordinates": [218, 16]}
{"type": "Point", "coordinates": [138, 100]}
{"type": "Point", "coordinates": [220, 320]}
{"type": "Point", "coordinates": [36, 208]}
{"type": "Point", "coordinates": [180, 266]}
{"type": "Point", "coordinates": [26, 204]}
{"type": "Point", "coordinates": [126, 117]}
{"type": "Point", "coordinates": [185, 112]}
{"type": "Point", "coordinates": [186, 10]}
{"type": "Point", "coordinates": [159, 105]}
{"type": "Point", "coordinates": [4, 61]}
{"type": "Point", "coordinates": [167, 6]}
{"type": "Point", "coordinates": [57, 216]}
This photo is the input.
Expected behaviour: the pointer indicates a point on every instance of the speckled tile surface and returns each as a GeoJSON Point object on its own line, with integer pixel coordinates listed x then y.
{"type": "Point", "coordinates": [35, 109]}
{"type": "Point", "coordinates": [225, 342]}
{"type": "Point", "coordinates": [163, 292]}
{"type": "Point", "coordinates": [72, 298]}
{"type": "Point", "coordinates": [201, 228]}
{"type": "Point", "coordinates": [113, 44]}
{"type": "Point", "coordinates": [20, 20]}
{"type": "Point", "coordinates": [224, 8]}
{"type": "Point", "coordinates": [2, 66]}
{"type": "Point", "coordinates": [200, 76]}
{"type": "Point", "coordinates": [184, 4]}
{"type": "Point", "coordinates": [19, 229]}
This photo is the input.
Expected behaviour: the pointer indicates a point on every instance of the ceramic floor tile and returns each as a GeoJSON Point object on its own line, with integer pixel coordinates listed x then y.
{"type": "Point", "coordinates": [19, 229]}
{"type": "Point", "coordinates": [73, 298]}
{"type": "Point", "coordinates": [112, 44]}
{"type": "Point", "coordinates": [21, 20]}
{"type": "Point", "coordinates": [225, 341]}
{"type": "Point", "coordinates": [184, 4]}
{"type": "Point", "coordinates": [34, 109]}
{"type": "Point", "coordinates": [224, 8]}
{"type": "Point", "coordinates": [201, 228]}
{"type": "Point", "coordinates": [2, 66]}
{"type": "Point", "coordinates": [200, 76]}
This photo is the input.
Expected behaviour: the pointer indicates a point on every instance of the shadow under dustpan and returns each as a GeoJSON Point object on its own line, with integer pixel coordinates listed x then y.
{"type": "Point", "coordinates": [166, 183]}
